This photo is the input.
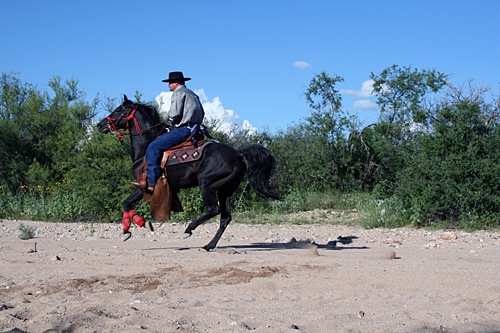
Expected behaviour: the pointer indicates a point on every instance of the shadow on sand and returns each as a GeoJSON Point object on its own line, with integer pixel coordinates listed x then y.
{"type": "Point", "coordinates": [299, 244]}
{"type": "Point", "coordinates": [292, 244]}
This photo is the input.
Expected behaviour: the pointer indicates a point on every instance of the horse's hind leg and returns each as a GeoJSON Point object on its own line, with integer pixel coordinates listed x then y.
{"type": "Point", "coordinates": [224, 194]}
{"type": "Point", "coordinates": [210, 198]}
{"type": "Point", "coordinates": [225, 218]}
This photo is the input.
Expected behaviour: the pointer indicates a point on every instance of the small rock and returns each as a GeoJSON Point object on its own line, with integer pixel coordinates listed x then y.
{"type": "Point", "coordinates": [391, 255]}
{"type": "Point", "coordinates": [272, 240]}
{"type": "Point", "coordinates": [361, 314]}
{"type": "Point", "coordinates": [448, 236]}
{"type": "Point", "coordinates": [430, 245]}
{"type": "Point", "coordinates": [233, 251]}
{"type": "Point", "coordinates": [55, 258]}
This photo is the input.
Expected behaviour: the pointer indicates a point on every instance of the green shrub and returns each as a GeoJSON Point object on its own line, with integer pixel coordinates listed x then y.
{"type": "Point", "coordinates": [453, 174]}
{"type": "Point", "coordinates": [377, 213]}
{"type": "Point", "coordinates": [26, 231]}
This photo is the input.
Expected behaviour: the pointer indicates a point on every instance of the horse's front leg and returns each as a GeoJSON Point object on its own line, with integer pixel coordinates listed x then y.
{"type": "Point", "coordinates": [129, 215]}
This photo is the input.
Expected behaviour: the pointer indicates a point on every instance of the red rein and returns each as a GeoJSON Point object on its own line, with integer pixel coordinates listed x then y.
{"type": "Point", "coordinates": [132, 116]}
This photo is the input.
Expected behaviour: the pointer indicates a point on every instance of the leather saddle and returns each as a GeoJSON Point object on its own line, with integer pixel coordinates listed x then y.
{"type": "Point", "coordinates": [187, 151]}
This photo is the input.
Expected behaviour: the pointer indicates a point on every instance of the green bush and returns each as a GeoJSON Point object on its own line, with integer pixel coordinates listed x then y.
{"type": "Point", "coordinates": [422, 164]}
{"type": "Point", "coordinates": [453, 174]}
{"type": "Point", "coordinates": [378, 213]}
{"type": "Point", "coordinates": [26, 231]}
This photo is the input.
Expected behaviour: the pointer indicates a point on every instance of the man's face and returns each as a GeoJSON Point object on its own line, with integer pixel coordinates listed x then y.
{"type": "Point", "coordinates": [173, 85]}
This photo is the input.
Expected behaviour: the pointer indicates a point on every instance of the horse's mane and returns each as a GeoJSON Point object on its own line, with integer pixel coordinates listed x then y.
{"type": "Point", "coordinates": [150, 110]}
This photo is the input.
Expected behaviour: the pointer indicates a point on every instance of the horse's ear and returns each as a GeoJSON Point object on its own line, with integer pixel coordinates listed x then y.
{"type": "Point", "coordinates": [125, 99]}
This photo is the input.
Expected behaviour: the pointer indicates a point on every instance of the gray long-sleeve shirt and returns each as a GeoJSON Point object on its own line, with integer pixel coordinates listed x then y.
{"type": "Point", "coordinates": [185, 108]}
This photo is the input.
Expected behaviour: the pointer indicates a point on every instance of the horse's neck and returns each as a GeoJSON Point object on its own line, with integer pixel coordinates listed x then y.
{"type": "Point", "coordinates": [139, 141]}
{"type": "Point", "coordinates": [138, 151]}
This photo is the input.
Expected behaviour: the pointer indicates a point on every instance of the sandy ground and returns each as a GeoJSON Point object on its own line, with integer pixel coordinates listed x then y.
{"type": "Point", "coordinates": [262, 278]}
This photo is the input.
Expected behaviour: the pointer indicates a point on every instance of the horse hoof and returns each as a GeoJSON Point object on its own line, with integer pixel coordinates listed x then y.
{"type": "Point", "coordinates": [149, 225]}
{"type": "Point", "coordinates": [186, 235]}
{"type": "Point", "coordinates": [127, 235]}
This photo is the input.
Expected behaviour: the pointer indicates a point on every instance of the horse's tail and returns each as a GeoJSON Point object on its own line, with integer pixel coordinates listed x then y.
{"type": "Point", "coordinates": [260, 169]}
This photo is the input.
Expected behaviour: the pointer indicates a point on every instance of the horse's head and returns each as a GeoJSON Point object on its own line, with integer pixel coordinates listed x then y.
{"type": "Point", "coordinates": [118, 119]}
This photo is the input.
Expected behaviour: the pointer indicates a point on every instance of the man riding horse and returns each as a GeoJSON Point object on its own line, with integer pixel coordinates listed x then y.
{"type": "Point", "coordinates": [216, 169]}
{"type": "Point", "coordinates": [185, 112]}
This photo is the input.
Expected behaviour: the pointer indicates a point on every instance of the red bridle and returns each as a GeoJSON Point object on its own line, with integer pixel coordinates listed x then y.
{"type": "Point", "coordinates": [130, 116]}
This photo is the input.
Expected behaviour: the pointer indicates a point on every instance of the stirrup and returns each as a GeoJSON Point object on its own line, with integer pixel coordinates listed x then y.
{"type": "Point", "coordinates": [141, 181]}
{"type": "Point", "coordinates": [141, 185]}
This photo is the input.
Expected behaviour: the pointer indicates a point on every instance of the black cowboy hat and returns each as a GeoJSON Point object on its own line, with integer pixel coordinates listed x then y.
{"type": "Point", "coordinates": [176, 76]}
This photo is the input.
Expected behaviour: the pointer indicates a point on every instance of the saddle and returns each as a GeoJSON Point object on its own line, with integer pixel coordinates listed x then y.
{"type": "Point", "coordinates": [183, 153]}
{"type": "Point", "coordinates": [163, 201]}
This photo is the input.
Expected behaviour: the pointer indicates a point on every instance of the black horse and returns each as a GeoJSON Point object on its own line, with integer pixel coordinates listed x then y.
{"type": "Point", "coordinates": [218, 173]}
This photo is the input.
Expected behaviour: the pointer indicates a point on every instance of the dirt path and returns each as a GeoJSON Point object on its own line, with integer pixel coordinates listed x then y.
{"type": "Point", "coordinates": [261, 278]}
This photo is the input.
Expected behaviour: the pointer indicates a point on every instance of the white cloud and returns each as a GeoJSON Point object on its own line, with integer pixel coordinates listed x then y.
{"type": "Point", "coordinates": [301, 65]}
{"type": "Point", "coordinates": [365, 105]}
{"type": "Point", "coordinates": [249, 128]}
{"type": "Point", "coordinates": [227, 120]}
{"type": "Point", "coordinates": [365, 92]}
{"type": "Point", "coordinates": [163, 100]}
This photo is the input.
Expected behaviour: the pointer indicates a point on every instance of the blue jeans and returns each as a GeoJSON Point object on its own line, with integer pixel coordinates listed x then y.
{"type": "Point", "coordinates": [156, 148]}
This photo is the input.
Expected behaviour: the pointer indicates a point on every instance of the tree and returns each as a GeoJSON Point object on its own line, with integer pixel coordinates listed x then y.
{"type": "Point", "coordinates": [326, 130]}
{"type": "Point", "coordinates": [43, 131]}
{"type": "Point", "coordinates": [453, 174]}
{"type": "Point", "coordinates": [297, 169]}
{"type": "Point", "coordinates": [100, 176]}
{"type": "Point", "coordinates": [403, 95]}
{"type": "Point", "coordinates": [59, 130]}
{"type": "Point", "coordinates": [15, 100]}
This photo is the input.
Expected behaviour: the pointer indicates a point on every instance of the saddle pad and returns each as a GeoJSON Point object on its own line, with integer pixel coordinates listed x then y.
{"type": "Point", "coordinates": [185, 155]}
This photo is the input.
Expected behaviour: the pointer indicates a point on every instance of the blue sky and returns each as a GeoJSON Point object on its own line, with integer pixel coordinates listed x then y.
{"type": "Point", "coordinates": [249, 59]}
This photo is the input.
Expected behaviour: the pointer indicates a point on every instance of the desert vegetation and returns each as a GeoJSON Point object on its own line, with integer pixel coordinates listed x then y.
{"type": "Point", "coordinates": [430, 160]}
